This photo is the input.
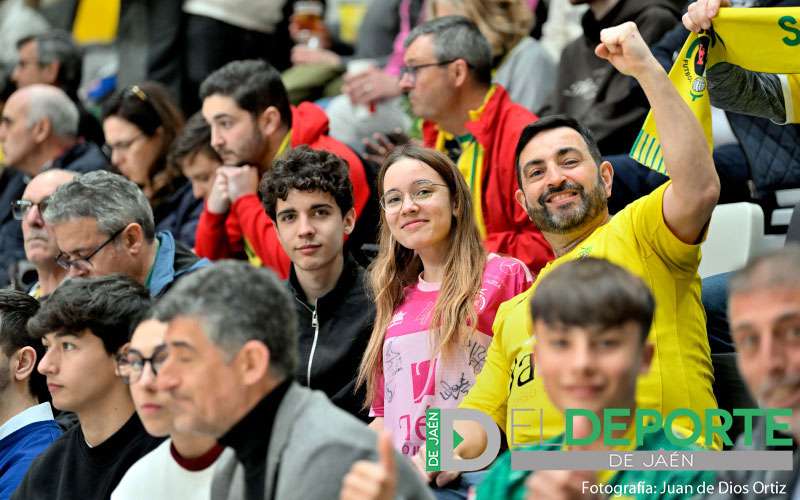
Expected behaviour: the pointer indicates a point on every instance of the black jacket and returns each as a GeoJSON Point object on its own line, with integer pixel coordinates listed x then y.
{"type": "Point", "coordinates": [589, 89]}
{"type": "Point", "coordinates": [178, 212]}
{"type": "Point", "coordinates": [332, 346]}
{"type": "Point", "coordinates": [82, 157]}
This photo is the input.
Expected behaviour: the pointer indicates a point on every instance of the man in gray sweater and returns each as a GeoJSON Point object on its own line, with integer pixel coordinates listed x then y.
{"type": "Point", "coordinates": [231, 356]}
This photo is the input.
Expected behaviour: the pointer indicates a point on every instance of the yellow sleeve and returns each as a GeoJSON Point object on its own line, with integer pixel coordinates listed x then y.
{"type": "Point", "coordinates": [791, 97]}
{"type": "Point", "coordinates": [651, 231]}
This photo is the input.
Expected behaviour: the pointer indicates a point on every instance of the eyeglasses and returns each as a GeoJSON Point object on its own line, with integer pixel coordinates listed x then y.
{"type": "Point", "coordinates": [120, 146]}
{"type": "Point", "coordinates": [412, 71]}
{"type": "Point", "coordinates": [20, 207]}
{"type": "Point", "coordinates": [83, 264]}
{"type": "Point", "coordinates": [392, 201]}
{"type": "Point", "coordinates": [131, 364]}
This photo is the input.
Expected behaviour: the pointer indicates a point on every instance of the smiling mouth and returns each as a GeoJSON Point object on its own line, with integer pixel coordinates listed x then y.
{"type": "Point", "coordinates": [564, 195]}
{"type": "Point", "coordinates": [413, 222]}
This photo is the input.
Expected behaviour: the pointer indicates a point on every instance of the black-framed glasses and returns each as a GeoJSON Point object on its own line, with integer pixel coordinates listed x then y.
{"type": "Point", "coordinates": [84, 264]}
{"type": "Point", "coordinates": [392, 201]}
{"type": "Point", "coordinates": [131, 363]}
{"type": "Point", "coordinates": [121, 146]}
{"type": "Point", "coordinates": [412, 71]}
{"type": "Point", "coordinates": [20, 208]}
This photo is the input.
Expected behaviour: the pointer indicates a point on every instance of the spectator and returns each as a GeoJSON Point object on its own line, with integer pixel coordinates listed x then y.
{"type": "Point", "coordinates": [764, 313]}
{"type": "Point", "coordinates": [448, 80]}
{"type": "Point", "coordinates": [27, 427]}
{"type": "Point", "coordinates": [592, 318]}
{"type": "Point", "coordinates": [193, 154]}
{"type": "Point", "coordinates": [592, 90]}
{"type": "Point", "coordinates": [308, 196]}
{"type": "Point", "coordinates": [182, 466]}
{"type": "Point", "coordinates": [506, 25]}
{"type": "Point", "coordinates": [38, 130]}
{"type": "Point", "coordinates": [237, 388]}
{"type": "Point", "coordinates": [564, 187]}
{"type": "Point", "coordinates": [84, 326]}
{"type": "Point", "coordinates": [252, 124]}
{"type": "Point", "coordinates": [103, 224]}
{"type": "Point", "coordinates": [52, 58]}
{"type": "Point", "coordinates": [140, 123]}
{"type": "Point", "coordinates": [40, 243]}
{"type": "Point", "coordinates": [429, 245]}
{"type": "Point", "coordinates": [17, 20]}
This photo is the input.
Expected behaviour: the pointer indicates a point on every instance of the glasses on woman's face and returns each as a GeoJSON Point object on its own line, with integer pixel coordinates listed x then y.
{"type": "Point", "coordinates": [131, 364]}
{"type": "Point", "coordinates": [392, 200]}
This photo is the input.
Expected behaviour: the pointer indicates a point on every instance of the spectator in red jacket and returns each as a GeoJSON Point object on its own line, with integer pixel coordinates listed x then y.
{"type": "Point", "coordinates": [252, 123]}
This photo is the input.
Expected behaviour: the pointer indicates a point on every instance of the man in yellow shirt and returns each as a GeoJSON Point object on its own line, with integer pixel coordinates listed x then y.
{"type": "Point", "coordinates": [564, 187]}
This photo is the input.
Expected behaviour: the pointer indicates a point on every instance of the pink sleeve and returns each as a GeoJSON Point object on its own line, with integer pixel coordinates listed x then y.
{"type": "Point", "coordinates": [376, 410]}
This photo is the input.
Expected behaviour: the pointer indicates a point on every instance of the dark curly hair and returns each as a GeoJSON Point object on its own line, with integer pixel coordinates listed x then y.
{"type": "Point", "coordinates": [16, 308]}
{"type": "Point", "coordinates": [306, 169]}
{"type": "Point", "coordinates": [110, 307]}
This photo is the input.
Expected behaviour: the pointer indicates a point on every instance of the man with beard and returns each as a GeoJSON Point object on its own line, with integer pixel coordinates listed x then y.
{"type": "Point", "coordinates": [564, 187]}
{"type": "Point", "coordinates": [41, 249]}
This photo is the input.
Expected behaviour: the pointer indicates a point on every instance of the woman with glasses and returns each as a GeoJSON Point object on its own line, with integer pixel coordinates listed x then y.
{"type": "Point", "coordinates": [436, 293]}
{"type": "Point", "coordinates": [181, 467]}
{"type": "Point", "coordinates": [140, 123]}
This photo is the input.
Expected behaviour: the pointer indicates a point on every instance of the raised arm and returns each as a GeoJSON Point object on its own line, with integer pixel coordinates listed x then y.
{"type": "Point", "coordinates": [690, 199]}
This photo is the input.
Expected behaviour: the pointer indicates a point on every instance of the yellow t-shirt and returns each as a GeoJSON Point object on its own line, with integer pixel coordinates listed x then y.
{"type": "Point", "coordinates": [791, 97]}
{"type": "Point", "coordinates": [681, 375]}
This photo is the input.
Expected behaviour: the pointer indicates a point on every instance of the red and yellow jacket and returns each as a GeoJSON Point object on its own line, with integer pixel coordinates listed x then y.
{"type": "Point", "coordinates": [247, 227]}
{"type": "Point", "coordinates": [505, 225]}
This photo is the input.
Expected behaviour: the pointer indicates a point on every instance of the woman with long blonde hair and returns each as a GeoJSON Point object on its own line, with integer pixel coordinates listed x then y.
{"type": "Point", "coordinates": [436, 292]}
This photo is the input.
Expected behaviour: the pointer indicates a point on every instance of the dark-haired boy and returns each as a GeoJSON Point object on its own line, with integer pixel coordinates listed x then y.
{"type": "Point", "coordinates": [192, 153]}
{"type": "Point", "coordinates": [27, 427]}
{"type": "Point", "coordinates": [309, 197]}
{"type": "Point", "coordinates": [252, 124]}
{"type": "Point", "coordinates": [84, 326]}
{"type": "Point", "coordinates": [592, 319]}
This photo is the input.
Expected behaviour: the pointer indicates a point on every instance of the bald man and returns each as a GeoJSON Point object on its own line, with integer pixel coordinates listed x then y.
{"type": "Point", "coordinates": [41, 249]}
{"type": "Point", "coordinates": [39, 130]}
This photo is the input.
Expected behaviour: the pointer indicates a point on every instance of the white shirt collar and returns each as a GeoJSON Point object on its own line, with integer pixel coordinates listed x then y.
{"type": "Point", "coordinates": [38, 413]}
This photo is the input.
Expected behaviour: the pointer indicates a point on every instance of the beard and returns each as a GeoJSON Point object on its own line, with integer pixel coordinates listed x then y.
{"type": "Point", "coordinates": [589, 206]}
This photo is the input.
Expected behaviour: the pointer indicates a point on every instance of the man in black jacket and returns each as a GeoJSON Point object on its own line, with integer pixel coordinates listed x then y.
{"type": "Point", "coordinates": [309, 197]}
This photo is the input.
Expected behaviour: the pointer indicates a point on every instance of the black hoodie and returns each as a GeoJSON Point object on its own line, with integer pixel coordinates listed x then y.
{"type": "Point", "coordinates": [334, 336]}
{"type": "Point", "coordinates": [589, 89]}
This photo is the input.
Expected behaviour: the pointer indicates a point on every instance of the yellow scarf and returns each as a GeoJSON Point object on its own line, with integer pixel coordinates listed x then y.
{"type": "Point", "coordinates": [758, 39]}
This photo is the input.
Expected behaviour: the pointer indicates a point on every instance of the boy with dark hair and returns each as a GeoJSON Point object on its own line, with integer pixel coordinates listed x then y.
{"type": "Point", "coordinates": [591, 319]}
{"type": "Point", "coordinates": [84, 326]}
{"type": "Point", "coordinates": [192, 153]}
{"type": "Point", "coordinates": [27, 427]}
{"type": "Point", "coordinates": [252, 124]}
{"type": "Point", "coordinates": [309, 197]}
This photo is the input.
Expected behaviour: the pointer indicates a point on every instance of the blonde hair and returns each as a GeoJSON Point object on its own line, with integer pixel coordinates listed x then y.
{"type": "Point", "coordinates": [397, 267]}
{"type": "Point", "coordinates": [504, 23]}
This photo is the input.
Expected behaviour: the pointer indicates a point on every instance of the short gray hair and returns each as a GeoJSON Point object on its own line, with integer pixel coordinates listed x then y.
{"type": "Point", "coordinates": [231, 316]}
{"type": "Point", "coordinates": [111, 199]}
{"type": "Point", "coordinates": [777, 269]}
{"type": "Point", "coordinates": [58, 46]}
{"type": "Point", "coordinates": [456, 37]}
{"type": "Point", "coordinates": [51, 103]}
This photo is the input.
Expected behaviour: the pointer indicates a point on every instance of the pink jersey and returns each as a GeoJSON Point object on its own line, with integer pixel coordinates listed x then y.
{"type": "Point", "coordinates": [411, 381]}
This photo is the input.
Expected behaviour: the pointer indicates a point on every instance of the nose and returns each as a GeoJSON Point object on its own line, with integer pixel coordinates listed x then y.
{"type": "Point", "coordinates": [167, 379]}
{"type": "Point", "coordinates": [773, 355]}
{"type": "Point", "coordinates": [117, 158]}
{"type": "Point", "coordinates": [406, 82]}
{"type": "Point", "coordinates": [555, 176]}
{"type": "Point", "coordinates": [217, 141]}
{"type": "Point", "coordinates": [582, 359]}
{"type": "Point", "coordinates": [198, 191]}
{"type": "Point", "coordinates": [15, 74]}
{"type": "Point", "coordinates": [148, 379]}
{"type": "Point", "coordinates": [34, 217]}
{"type": "Point", "coordinates": [305, 228]}
{"type": "Point", "coordinates": [46, 364]}
{"type": "Point", "coordinates": [77, 272]}
{"type": "Point", "coordinates": [409, 208]}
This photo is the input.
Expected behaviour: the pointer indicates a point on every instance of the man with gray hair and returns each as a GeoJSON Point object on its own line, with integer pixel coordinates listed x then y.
{"type": "Point", "coordinates": [39, 130]}
{"type": "Point", "coordinates": [764, 313]}
{"type": "Point", "coordinates": [103, 224]}
{"type": "Point", "coordinates": [448, 78]}
{"type": "Point", "coordinates": [53, 58]}
{"type": "Point", "coordinates": [229, 370]}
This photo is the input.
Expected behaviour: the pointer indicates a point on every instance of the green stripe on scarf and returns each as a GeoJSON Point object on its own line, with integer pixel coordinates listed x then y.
{"type": "Point", "coordinates": [758, 39]}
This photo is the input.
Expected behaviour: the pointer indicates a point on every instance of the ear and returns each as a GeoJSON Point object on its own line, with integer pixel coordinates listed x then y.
{"type": "Point", "coordinates": [647, 358]}
{"type": "Point", "coordinates": [252, 362]}
{"type": "Point", "coordinates": [133, 238]}
{"type": "Point", "coordinates": [460, 72]}
{"type": "Point", "coordinates": [24, 361]}
{"type": "Point", "coordinates": [41, 130]}
{"type": "Point", "coordinates": [349, 220]}
{"type": "Point", "coordinates": [51, 72]}
{"type": "Point", "coordinates": [269, 121]}
{"type": "Point", "coordinates": [519, 195]}
{"type": "Point", "coordinates": [607, 174]}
